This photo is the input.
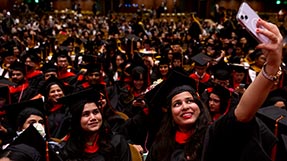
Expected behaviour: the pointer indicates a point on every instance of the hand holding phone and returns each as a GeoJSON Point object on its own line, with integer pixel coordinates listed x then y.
{"type": "Point", "coordinates": [248, 19]}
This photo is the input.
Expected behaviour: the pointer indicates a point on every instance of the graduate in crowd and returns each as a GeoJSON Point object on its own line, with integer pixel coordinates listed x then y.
{"type": "Point", "coordinates": [219, 101]}
{"type": "Point", "coordinates": [20, 116]}
{"type": "Point", "coordinates": [186, 134]}
{"type": "Point", "coordinates": [22, 91]}
{"type": "Point", "coordinates": [90, 137]}
{"type": "Point", "coordinates": [32, 61]}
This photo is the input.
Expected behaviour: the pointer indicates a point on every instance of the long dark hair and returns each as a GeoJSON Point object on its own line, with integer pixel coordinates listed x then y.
{"type": "Point", "coordinates": [75, 146]}
{"type": "Point", "coordinates": [164, 141]}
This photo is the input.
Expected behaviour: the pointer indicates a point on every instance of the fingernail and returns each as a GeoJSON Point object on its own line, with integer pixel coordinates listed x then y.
{"type": "Point", "coordinates": [257, 30]}
{"type": "Point", "coordinates": [259, 19]}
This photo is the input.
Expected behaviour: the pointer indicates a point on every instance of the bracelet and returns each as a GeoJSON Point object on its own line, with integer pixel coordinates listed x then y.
{"type": "Point", "coordinates": [273, 78]}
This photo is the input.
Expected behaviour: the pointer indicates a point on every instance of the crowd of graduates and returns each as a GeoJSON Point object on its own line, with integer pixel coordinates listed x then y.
{"type": "Point", "coordinates": [97, 86]}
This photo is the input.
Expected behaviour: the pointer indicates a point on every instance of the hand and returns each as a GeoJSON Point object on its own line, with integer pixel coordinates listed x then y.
{"type": "Point", "coordinates": [272, 50]}
{"type": "Point", "coordinates": [239, 90]}
{"type": "Point", "coordinates": [139, 103]}
{"type": "Point", "coordinates": [3, 129]}
{"type": "Point", "coordinates": [139, 148]}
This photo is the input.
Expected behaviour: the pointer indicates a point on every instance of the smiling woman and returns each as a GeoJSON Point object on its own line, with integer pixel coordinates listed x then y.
{"type": "Point", "coordinates": [90, 137]}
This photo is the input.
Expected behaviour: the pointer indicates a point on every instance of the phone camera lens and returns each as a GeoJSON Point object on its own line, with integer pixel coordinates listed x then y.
{"type": "Point", "coordinates": [246, 17]}
{"type": "Point", "coordinates": [242, 17]}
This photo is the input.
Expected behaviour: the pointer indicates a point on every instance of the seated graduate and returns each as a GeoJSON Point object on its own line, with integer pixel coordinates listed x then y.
{"type": "Point", "coordinates": [218, 102]}
{"type": "Point", "coordinates": [58, 114]}
{"type": "Point", "coordinates": [186, 134]}
{"type": "Point", "coordinates": [22, 90]}
{"type": "Point", "coordinates": [32, 61]}
{"type": "Point", "coordinates": [201, 63]}
{"type": "Point", "coordinates": [29, 146]}
{"type": "Point", "coordinates": [90, 137]}
{"type": "Point", "coordinates": [21, 115]}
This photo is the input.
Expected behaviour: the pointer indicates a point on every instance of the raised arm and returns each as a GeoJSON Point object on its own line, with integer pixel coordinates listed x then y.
{"type": "Point", "coordinates": [258, 90]}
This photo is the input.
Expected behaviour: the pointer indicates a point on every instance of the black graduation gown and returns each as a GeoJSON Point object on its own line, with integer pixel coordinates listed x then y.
{"type": "Point", "coordinates": [35, 78]}
{"type": "Point", "coordinates": [227, 139]}
{"type": "Point", "coordinates": [120, 147]}
{"type": "Point", "coordinates": [59, 122]}
{"type": "Point", "coordinates": [24, 91]}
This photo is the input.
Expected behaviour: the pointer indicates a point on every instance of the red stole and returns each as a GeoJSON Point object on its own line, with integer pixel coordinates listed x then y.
{"type": "Point", "coordinates": [19, 88]}
{"type": "Point", "coordinates": [92, 148]}
{"type": "Point", "coordinates": [56, 107]}
{"type": "Point", "coordinates": [203, 79]}
{"type": "Point", "coordinates": [33, 74]}
{"type": "Point", "coordinates": [66, 74]}
{"type": "Point", "coordinates": [181, 137]}
{"type": "Point", "coordinates": [86, 85]}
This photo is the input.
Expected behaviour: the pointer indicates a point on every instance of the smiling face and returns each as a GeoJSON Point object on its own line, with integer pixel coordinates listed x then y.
{"type": "Point", "coordinates": [184, 110]}
{"type": "Point", "coordinates": [91, 118]}
{"type": "Point", "coordinates": [55, 92]}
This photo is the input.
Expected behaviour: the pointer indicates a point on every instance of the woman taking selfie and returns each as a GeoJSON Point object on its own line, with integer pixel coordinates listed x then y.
{"type": "Point", "coordinates": [186, 134]}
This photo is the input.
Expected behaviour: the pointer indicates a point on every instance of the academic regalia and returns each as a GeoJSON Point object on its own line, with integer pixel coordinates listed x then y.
{"type": "Point", "coordinates": [65, 75]}
{"type": "Point", "coordinates": [239, 68]}
{"type": "Point", "coordinates": [120, 148]}
{"type": "Point", "coordinates": [33, 75]}
{"type": "Point", "coordinates": [176, 143]}
{"type": "Point", "coordinates": [201, 60]}
{"type": "Point", "coordinates": [58, 114]}
{"type": "Point", "coordinates": [227, 139]}
{"type": "Point", "coordinates": [32, 144]}
{"type": "Point", "coordinates": [225, 100]}
{"type": "Point", "coordinates": [22, 91]}
{"type": "Point", "coordinates": [276, 121]}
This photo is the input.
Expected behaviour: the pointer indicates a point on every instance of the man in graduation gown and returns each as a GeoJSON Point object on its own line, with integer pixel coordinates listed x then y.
{"type": "Point", "coordinates": [32, 62]}
{"type": "Point", "coordinates": [65, 73]}
{"type": "Point", "coordinates": [22, 90]}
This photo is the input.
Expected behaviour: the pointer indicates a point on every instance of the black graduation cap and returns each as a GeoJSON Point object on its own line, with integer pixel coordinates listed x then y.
{"type": "Point", "coordinates": [26, 151]}
{"type": "Point", "coordinates": [19, 67]}
{"type": "Point", "coordinates": [163, 60]}
{"type": "Point", "coordinates": [160, 93]}
{"type": "Point", "coordinates": [176, 42]}
{"type": "Point", "coordinates": [33, 55]}
{"type": "Point", "coordinates": [17, 113]}
{"type": "Point", "coordinates": [31, 137]}
{"type": "Point", "coordinates": [255, 54]}
{"type": "Point", "coordinates": [6, 53]}
{"type": "Point", "coordinates": [49, 67]}
{"type": "Point", "coordinates": [221, 71]}
{"type": "Point", "coordinates": [221, 91]}
{"type": "Point", "coordinates": [270, 114]}
{"type": "Point", "coordinates": [93, 68]}
{"type": "Point", "coordinates": [177, 55]}
{"type": "Point", "coordinates": [133, 37]}
{"type": "Point", "coordinates": [201, 59]}
{"type": "Point", "coordinates": [77, 99]}
{"type": "Point", "coordinates": [33, 144]}
{"type": "Point", "coordinates": [240, 68]}
{"type": "Point", "coordinates": [44, 89]}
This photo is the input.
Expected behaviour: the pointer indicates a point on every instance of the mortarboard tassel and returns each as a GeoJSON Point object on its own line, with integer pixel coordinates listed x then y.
{"type": "Point", "coordinates": [47, 151]}
{"type": "Point", "coordinates": [274, 149]}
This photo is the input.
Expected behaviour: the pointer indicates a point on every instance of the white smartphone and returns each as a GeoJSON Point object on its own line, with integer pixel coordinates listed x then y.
{"type": "Point", "coordinates": [248, 19]}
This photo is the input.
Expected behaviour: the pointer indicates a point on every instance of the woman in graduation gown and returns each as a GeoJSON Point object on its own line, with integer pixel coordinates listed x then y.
{"type": "Point", "coordinates": [90, 137]}
{"type": "Point", "coordinates": [58, 114]}
{"type": "Point", "coordinates": [237, 135]}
